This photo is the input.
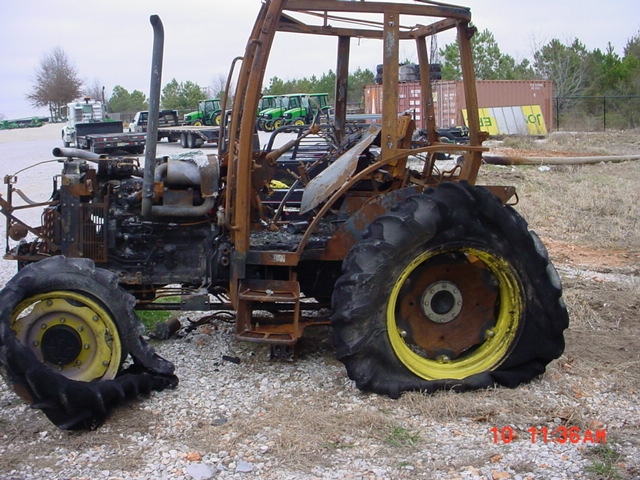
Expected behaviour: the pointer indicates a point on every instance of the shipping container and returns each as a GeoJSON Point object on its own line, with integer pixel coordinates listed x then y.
{"type": "Point", "coordinates": [449, 99]}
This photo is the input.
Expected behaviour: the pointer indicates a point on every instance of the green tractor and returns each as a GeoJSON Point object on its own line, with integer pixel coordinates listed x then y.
{"type": "Point", "coordinates": [309, 106]}
{"type": "Point", "coordinates": [267, 104]}
{"type": "Point", "coordinates": [268, 101]}
{"type": "Point", "coordinates": [209, 113]}
{"type": "Point", "coordinates": [273, 118]}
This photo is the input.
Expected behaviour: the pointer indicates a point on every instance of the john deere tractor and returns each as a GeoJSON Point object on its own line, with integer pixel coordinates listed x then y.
{"type": "Point", "coordinates": [315, 105]}
{"type": "Point", "coordinates": [209, 113]}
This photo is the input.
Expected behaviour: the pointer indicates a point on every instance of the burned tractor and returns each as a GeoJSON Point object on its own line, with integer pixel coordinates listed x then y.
{"type": "Point", "coordinates": [432, 281]}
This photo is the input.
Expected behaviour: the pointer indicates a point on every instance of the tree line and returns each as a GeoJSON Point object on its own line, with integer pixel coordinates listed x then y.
{"type": "Point", "coordinates": [573, 69]}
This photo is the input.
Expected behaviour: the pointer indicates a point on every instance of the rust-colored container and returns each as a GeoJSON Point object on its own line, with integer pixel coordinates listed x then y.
{"type": "Point", "coordinates": [449, 100]}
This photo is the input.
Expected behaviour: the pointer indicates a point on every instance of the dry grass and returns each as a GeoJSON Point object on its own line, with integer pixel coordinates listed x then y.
{"type": "Point", "coordinates": [305, 432]}
{"type": "Point", "coordinates": [587, 205]}
{"type": "Point", "coordinates": [495, 407]}
{"type": "Point", "coordinates": [580, 143]}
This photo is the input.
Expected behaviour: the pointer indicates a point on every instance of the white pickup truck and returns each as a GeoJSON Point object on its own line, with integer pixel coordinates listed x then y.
{"type": "Point", "coordinates": [167, 118]}
{"type": "Point", "coordinates": [88, 128]}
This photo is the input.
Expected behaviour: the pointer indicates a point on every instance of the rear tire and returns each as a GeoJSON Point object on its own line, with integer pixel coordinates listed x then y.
{"type": "Point", "coordinates": [448, 290]}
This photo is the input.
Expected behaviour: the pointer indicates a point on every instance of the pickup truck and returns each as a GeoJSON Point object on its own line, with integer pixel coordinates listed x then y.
{"type": "Point", "coordinates": [88, 128]}
{"type": "Point", "coordinates": [105, 137]}
{"type": "Point", "coordinates": [166, 119]}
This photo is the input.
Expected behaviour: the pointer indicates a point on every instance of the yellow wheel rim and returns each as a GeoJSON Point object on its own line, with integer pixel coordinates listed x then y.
{"type": "Point", "coordinates": [71, 333]}
{"type": "Point", "coordinates": [452, 319]}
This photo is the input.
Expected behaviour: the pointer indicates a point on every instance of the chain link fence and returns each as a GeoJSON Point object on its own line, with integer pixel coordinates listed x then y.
{"type": "Point", "coordinates": [596, 113]}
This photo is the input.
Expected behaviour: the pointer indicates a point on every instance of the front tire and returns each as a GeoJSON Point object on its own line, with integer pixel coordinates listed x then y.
{"type": "Point", "coordinates": [448, 290]}
{"type": "Point", "coordinates": [65, 329]}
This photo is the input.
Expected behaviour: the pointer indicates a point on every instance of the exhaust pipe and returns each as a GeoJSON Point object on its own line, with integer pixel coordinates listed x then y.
{"type": "Point", "coordinates": [154, 113]}
{"type": "Point", "coordinates": [75, 152]}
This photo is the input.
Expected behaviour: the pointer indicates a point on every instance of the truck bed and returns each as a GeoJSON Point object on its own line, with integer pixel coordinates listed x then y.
{"type": "Point", "coordinates": [98, 128]}
{"type": "Point", "coordinates": [190, 136]}
{"type": "Point", "coordinates": [108, 137]}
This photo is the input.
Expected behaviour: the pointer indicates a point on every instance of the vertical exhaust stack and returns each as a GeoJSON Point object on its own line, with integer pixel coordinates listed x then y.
{"type": "Point", "coordinates": [154, 113]}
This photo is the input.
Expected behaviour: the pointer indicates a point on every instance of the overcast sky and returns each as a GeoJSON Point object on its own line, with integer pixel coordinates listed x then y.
{"type": "Point", "coordinates": [111, 41]}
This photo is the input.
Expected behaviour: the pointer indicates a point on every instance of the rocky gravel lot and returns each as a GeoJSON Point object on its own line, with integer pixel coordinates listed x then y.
{"type": "Point", "coordinates": [253, 418]}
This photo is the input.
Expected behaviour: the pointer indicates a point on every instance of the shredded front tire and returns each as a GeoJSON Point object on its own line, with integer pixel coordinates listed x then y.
{"type": "Point", "coordinates": [66, 329]}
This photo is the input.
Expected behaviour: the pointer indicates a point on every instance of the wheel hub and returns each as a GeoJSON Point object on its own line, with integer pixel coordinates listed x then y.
{"type": "Point", "coordinates": [60, 345]}
{"type": "Point", "coordinates": [69, 332]}
{"type": "Point", "coordinates": [441, 302]}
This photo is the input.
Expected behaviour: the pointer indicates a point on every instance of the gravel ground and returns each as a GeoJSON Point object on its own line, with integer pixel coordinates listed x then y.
{"type": "Point", "coordinates": [262, 419]}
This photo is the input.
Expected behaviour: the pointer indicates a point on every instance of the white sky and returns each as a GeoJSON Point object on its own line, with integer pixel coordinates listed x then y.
{"type": "Point", "coordinates": [111, 41]}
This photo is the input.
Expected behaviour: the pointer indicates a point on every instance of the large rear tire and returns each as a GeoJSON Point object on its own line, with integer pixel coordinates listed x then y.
{"type": "Point", "coordinates": [448, 290]}
{"type": "Point", "coordinates": [66, 328]}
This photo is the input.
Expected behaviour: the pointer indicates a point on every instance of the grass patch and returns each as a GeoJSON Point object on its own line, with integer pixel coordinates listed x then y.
{"type": "Point", "coordinates": [604, 458]}
{"type": "Point", "coordinates": [520, 142]}
{"type": "Point", "coordinates": [401, 437]}
{"type": "Point", "coordinates": [150, 318]}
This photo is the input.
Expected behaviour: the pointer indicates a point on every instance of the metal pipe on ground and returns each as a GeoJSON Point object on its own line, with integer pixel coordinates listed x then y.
{"type": "Point", "coordinates": [510, 160]}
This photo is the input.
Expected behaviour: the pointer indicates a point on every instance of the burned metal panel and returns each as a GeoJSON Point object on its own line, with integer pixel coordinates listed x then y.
{"type": "Point", "coordinates": [350, 232]}
{"type": "Point", "coordinates": [92, 231]}
{"type": "Point", "coordinates": [328, 181]}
